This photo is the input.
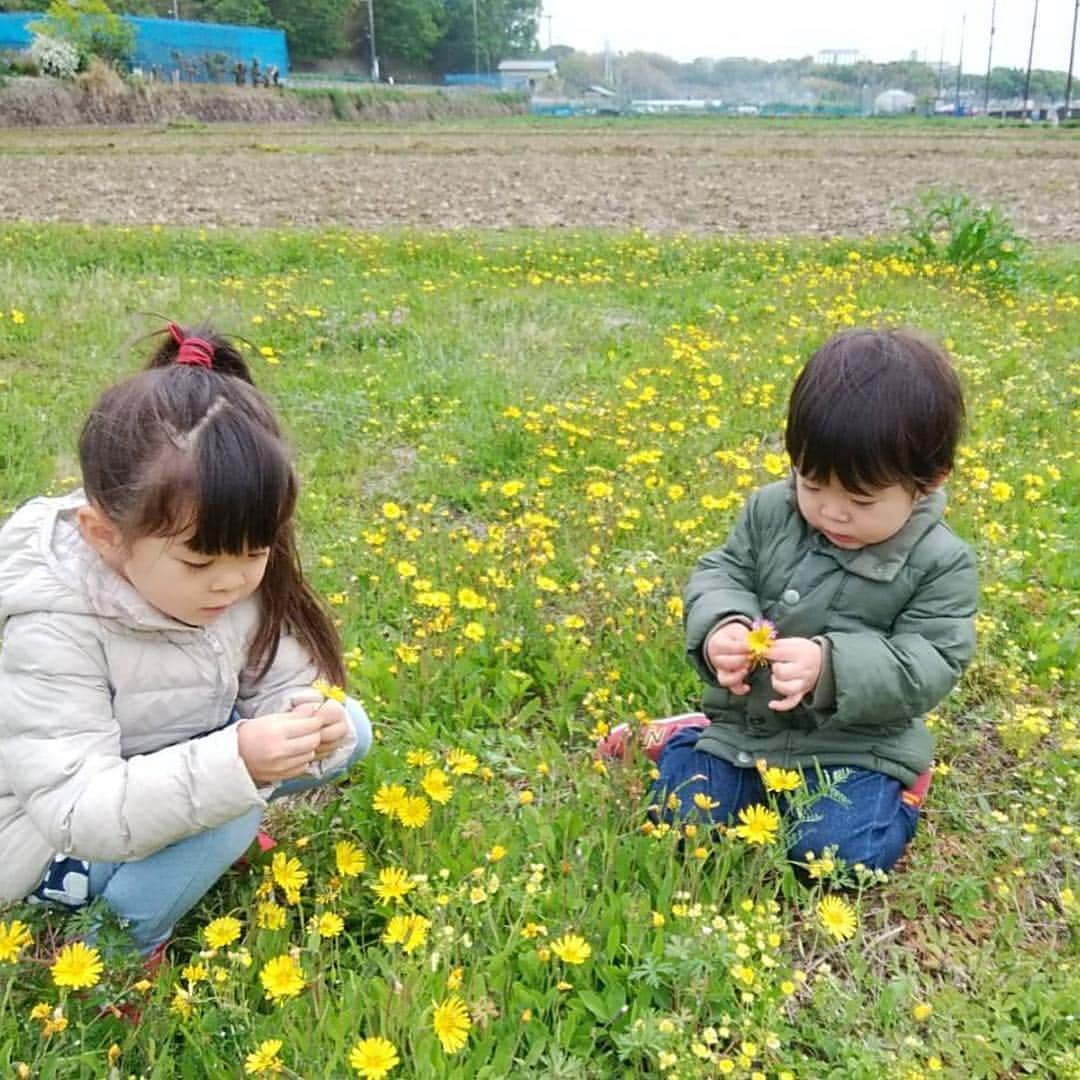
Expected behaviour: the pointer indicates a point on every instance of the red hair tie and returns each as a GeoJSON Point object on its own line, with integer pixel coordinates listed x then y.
{"type": "Point", "coordinates": [193, 350]}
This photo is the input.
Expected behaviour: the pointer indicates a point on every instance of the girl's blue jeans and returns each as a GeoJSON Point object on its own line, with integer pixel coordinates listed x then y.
{"type": "Point", "coordinates": [865, 821]}
{"type": "Point", "coordinates": [151, 895]}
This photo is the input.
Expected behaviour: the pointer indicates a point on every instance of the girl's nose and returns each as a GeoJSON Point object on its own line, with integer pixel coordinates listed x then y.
{"type": "Point", "coordinates": [229, 580]}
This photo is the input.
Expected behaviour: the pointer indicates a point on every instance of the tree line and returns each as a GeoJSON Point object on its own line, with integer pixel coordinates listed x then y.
{"type": "Point", "coordinates": [741, 79]}
{"type": "Point", "coordinates": [423, 35]}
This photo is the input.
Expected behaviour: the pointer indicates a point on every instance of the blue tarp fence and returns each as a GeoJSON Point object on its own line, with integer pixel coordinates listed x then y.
{"type": "Point", "coordinates": [200, 52]}
{"type": "Point", "coordinates": [458, 78]}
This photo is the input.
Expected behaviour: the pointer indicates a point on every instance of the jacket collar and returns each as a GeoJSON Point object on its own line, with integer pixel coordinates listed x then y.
{"type": "Point", "coordinates": [882, 562]}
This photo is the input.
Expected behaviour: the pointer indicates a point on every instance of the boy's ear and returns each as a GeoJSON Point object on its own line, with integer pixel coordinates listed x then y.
{"type": "Point", "coordinates": [100, 533]}
{"type": "Point", "coordinates": [937, 481]}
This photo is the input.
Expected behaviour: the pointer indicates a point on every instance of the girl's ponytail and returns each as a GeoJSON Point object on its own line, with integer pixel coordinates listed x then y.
{"type": "Point", "coordinates": [178, 344]}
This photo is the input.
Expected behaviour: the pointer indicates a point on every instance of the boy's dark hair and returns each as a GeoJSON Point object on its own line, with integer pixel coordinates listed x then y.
{"type": "Point", "coordinates": [184, 446]}
{"type": "Point", "coordinates": [874, 408]}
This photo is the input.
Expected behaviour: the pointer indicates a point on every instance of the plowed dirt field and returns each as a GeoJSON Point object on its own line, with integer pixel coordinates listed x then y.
{"type": "Point", "coordinates": [760, 178]}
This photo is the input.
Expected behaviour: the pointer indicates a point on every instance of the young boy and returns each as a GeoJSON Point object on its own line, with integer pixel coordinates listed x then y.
{"type": "Point", "coordinates": [871, 595]}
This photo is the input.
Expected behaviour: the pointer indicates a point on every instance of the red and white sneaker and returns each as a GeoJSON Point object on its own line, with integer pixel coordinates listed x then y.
{"type": "Point", "coordinates": [650, 738]}
{"type": "Point", "coordinates": [915, 795]}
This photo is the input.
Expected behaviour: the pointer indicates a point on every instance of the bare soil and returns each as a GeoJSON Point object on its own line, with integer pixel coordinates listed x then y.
{"type": "Point", "coordinates": [760, 178]}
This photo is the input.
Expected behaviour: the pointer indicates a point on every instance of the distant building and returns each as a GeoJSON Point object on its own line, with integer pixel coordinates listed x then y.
{"type": "Point", "coordinates": [527, 75]}
{"type": "Point", "coordinates": [838, 56]}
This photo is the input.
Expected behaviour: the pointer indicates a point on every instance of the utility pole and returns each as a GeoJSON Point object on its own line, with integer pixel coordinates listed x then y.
{"type": "Point", "coordinates": [989, 58]}
{"type": "Point", "coordinates": [960, 65]}
{"type": "Point", "coordinates": [371, 40]}
{"type": "Point", "coordinates": [941, 69]}
{"type": "Point", "coordinates": [1031, 56]}
{"type": "Point", "coordinates": [176, 9]}
{"type": "Point", "coordinates": [1072, 56]}
{"type": "Point", "coordinates": [475, 40]}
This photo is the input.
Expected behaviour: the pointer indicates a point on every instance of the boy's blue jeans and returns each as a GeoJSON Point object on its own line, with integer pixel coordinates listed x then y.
{"type": "Point", "coordinates": [870, 825]}
{"type": "Point", "coordinates": [151, 895]}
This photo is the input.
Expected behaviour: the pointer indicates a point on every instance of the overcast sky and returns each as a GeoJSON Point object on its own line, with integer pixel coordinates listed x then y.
{"type": "Point", "coordinates": [776, 29]}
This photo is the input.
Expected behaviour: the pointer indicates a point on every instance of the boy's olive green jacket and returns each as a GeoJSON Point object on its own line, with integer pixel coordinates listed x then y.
{"type": "Point", "coordinates": [895, 620]}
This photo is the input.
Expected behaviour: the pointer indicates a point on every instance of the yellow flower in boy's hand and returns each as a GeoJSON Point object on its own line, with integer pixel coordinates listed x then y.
{"type": "Point", "coordinates": [758, 642]}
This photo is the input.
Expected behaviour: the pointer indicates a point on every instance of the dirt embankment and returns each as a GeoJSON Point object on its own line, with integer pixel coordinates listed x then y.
{"type": "Point", "coordinates": [26, 102]}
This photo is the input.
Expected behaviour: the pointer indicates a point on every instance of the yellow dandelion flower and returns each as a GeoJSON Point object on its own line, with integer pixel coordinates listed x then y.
{"type": "Point", "coordinates": [14, 937]}
{"type": "Point", "coordinates": [837, 918]}
{"type": "Point", "coordinates": [282, 978]}
{"type": "Point", "coordinates": [408, 931]}
{"type": "Point", "coordinates": [265, 1059]}
{"type": "Point", "coordinates": [391, 511]}
{"type": "Point", "coordinates": [181, 1003]}
{"type": "Point", "coordinates": [287, 872]}
{"type": "Point", "coordinates": [776, 779]}
{"type": "Point", "coordinates": [350, 859]}
{"type": "Point", "coordinates": [437, 786]}
{"type": "Point", "coordinates": [758, 825]}
{"type": "Point", "coordinates": [453, 980]}
{"type": "Point", "coordinates": [374, 1057]}
{"type": "Point", "coordinates": [222, 932]}
{"type": "Point", "coordinates": [759, 640]}
{"type": "Point", "coordinates": [571, 949]}
{"type": "Point", "coordinates": [474, 632]}
{"type": "Point", "coordinates": [389, 798]}
{"type": "Point", "coordinates": [269, 916]}
{"type": "Point", "coordinates": [922, 1011]}
{"type": "Point", "coordinates": [393, 884]}
{"type": "Point", "coordinates": [328, 690]}
{"type": "Point", "coordinates": [193, 973]}
{"type": "Point", "coordinates": [329, 924]}
{"type": "Point", "coordinates": [462, 763]}
{"type": "Point", "coordinates": [77, 966]}
{"type": "Point", "coordinates": [420, 759]}
{"type": "Point", "coordinates": [451, 1022]}
{"type": "Point", "coordinates": [497, 853]}
{"type": "Point", "coordinates": [471, 600]}
{"type": "Point", "coordinates": [414, 812]}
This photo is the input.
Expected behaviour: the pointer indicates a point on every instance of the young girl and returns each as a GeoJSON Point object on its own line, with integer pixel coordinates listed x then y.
{"type": "Point", "coordinates": [871, 600]}
{"type": "Point", "coordinates": [159, 649]}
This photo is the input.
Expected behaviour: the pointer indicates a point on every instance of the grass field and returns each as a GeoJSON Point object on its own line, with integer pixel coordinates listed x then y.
{"type": "Point", "coordinates": [514, 448]}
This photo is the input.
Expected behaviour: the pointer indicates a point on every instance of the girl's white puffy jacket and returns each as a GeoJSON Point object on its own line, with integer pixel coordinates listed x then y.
{"type": "Point", "coordinates": [113, 736]}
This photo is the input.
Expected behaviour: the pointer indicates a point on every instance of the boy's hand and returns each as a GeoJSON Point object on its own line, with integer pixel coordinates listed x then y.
{"type": "Point", "coordinates": [727, 654]}
{"type": "Point", "coordinates": [279, 746]}
{"type": "Point", "coordinates": [335, 728]}
{"type": "Point", "coordinates": [795, 664]}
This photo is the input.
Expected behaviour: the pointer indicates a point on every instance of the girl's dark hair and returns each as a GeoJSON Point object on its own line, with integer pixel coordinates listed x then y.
{"type": "Point", "coordinates": [186, 447]}
{"type": "Point", "coordinates": [874, 408]}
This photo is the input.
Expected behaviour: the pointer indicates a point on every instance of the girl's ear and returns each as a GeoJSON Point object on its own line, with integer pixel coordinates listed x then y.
{"type": "Point", "coordinates": [100, 533]}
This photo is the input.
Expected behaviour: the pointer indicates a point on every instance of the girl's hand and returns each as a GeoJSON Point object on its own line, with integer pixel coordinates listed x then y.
{"type": "Point", "coordinates": [334, 730]}
{"type": "Point", "coordinates": [279, 746]}
{"type": "Point", "coordinates": [796, 668]}
{"type": "Point", "coordinates": [727, 654]}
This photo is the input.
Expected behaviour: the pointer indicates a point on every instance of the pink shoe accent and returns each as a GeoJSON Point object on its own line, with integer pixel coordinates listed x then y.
{"type": "Point", "coordinates": [154, 959]}
{"type": "Point", "coordinates": [650, 737]}
{"type": "Point", "coordinates": [915, 795]}
{"type": "Point", "coordinates": [265, 841]}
